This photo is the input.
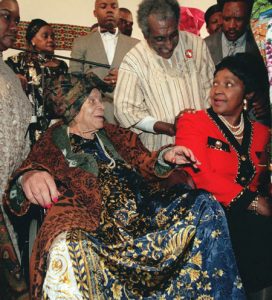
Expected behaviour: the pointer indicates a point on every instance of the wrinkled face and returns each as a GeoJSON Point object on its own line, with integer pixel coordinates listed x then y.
{"type": "Point", "coordinates": [215, 23]}
{"type": "Point", "coordinates": [163, 36]}
{"type": "Point", "coordinates": [235, 20]}
{"type": "Point", "coordinates": [44, 40]}
{"type": "Point", "coordinates": [227, 94]}
{"type": "Point", "coordinates": [9, 19]}
{"type": "Point", "coordinates": [91, 114]}
{"type": "Point", "coordinates": [125, 23]}
{"type": "Point", "coordinates": [106, 12]}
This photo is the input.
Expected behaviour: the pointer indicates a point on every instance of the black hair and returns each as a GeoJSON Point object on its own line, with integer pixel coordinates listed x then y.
{"type": "Point", "coordinates": [249, 4]}
{"type": "Point", "coordinates": [246, 67]}
{"type": "Point", "coordinates": [125, 10]}
{"type": "Point", "coordinates": [210, 11]}
{"type": "Point", "coordinates": [33, 27]}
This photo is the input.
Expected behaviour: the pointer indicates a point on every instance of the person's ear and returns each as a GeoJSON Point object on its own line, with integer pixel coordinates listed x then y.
{"type": "Point", "coordinates": [94, 13]}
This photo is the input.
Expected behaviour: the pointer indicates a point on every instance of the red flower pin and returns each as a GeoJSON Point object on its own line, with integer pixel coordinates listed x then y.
{"type": "Point", "coordinates": [189, 53]}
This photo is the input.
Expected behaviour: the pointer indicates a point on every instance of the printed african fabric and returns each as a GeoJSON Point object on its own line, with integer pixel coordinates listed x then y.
{"type": "Point", "coordinates": [64, 33]}
{"type": "Point", "coordinates": [260, 20]}
{"type": "Point", "coordinates": [31, 66]}
{"type": "Point", "coordinates": [150, 244]}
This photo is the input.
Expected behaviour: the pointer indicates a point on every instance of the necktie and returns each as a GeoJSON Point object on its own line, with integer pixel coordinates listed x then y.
{"type": "Point", "coordinates": [232, 48]}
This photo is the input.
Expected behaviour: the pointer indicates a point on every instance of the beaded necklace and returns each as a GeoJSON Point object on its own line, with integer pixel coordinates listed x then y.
{"type": "Point", "coordinates": [235, 130]}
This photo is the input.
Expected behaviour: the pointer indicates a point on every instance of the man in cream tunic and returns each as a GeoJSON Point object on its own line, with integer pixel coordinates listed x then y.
{"type": "Point", "coordinates": [164, 74]}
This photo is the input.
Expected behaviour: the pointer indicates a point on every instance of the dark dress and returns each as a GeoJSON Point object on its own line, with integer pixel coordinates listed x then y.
{"type": "Point", "coordinates": [32, 67]}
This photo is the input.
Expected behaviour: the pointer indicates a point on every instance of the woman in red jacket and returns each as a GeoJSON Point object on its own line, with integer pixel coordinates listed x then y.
{"type": "Point", "coordinates": [229, 147]}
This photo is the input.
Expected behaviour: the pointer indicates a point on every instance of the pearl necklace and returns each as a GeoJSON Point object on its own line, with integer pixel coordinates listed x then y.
{"type": "Point", "coordinates": [235, 130]}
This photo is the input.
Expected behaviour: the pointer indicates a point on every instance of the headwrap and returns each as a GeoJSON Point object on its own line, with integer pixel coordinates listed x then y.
{"type": "Point", "coordinates": [66, 94]}
{"type": "Point", "coordinates": [34, 26]}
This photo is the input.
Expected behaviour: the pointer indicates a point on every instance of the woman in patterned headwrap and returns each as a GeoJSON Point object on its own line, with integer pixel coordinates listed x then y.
{"type": "Point", "coordinates": [34, 68]}
{"type": "Point", "coordinates": [111, 230]}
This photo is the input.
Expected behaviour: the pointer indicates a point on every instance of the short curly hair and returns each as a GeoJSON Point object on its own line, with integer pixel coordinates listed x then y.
{"type": "Point", "coordinates": [165, 9]}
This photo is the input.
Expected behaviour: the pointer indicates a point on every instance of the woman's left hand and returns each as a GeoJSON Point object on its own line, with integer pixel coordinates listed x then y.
{"type": "Point", "coordinates": [181, 155]}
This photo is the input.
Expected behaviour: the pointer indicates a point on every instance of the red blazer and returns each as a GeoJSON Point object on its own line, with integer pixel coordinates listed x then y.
{"type": "Point", "coordinates": [228, 170]}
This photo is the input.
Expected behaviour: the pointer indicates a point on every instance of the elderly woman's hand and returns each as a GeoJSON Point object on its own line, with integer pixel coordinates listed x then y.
{"type": "Point", "coordinates": [181, 155]}
{"type": "Point", "coordinates": [40, 188]}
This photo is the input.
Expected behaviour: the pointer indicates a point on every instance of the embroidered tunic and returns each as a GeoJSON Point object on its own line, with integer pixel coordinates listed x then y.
{"type": "Point", "coordinates": [149, 85]}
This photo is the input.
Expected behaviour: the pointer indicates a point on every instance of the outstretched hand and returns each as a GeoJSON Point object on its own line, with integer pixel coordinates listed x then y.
{"type": "Point", "coordinates": [181, 155]}
{"type": "Point", "coordinates": [40, 188]}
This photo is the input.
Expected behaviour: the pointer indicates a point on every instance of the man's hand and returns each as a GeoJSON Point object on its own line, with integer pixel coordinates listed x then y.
{"type": "Point", "coordinates": [260, 106]}
{"type": "Point", "coordinates": [260, 110]}
{"type": "Point", "coordinates": [181, 113]}
{"type": "Point", "coordinates": [164, 128]}
{"type": "Point", "coordinates": [181, 155]}
{"type": "Point", "coordinates": [111, 77]}
{"type": "Point", "coordinates": [40, 188]}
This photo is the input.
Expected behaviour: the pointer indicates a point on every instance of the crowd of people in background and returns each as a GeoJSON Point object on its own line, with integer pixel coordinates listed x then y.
{"type": "Point", "coordinates": [148, 176]}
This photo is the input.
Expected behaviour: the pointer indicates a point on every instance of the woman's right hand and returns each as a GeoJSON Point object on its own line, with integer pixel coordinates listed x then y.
{"type": "Point", "coordinates": [40, 188]}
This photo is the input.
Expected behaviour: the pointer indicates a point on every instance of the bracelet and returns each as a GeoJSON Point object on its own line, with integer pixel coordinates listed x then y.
{"type": "Point", "coordinates": [254, 205]}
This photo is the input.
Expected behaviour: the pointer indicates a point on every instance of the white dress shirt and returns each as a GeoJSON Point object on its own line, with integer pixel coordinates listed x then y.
{"type": "Point", "coordinates": [109, 42]}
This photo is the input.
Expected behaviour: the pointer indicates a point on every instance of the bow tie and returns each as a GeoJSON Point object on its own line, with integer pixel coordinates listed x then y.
{"type": "Point", "coordinates": [111, 30]}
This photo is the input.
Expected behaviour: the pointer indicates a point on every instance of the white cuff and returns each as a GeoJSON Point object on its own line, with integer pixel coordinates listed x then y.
{"type": "Point", "coordinates": [160, 159]}
{"type": "Point", "coordinates": [147, 124]}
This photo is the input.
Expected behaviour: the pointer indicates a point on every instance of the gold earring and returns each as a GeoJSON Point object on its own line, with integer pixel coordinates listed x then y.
{"type": "Point", "coordinates": [245, 104]}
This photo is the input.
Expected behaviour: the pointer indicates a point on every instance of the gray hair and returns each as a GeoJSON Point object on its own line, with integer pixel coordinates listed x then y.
{"type": "Point", "coordinates": [164, 9]}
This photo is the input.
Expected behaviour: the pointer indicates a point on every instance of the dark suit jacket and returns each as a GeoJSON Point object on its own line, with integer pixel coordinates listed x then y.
{"type": "Point", "coordinates": [214, 43]}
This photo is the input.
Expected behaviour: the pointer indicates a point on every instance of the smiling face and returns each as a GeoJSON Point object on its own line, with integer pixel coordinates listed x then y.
{"type": "Point", "coordinates": [106, 12]}
{"type": "Point", "coordinates": [44, 40]}
{"type": "Point", "coordinates": [163, 35]}
{"type": "Point", "coordinates": [9, 19]}
{"type": "Point", "coordinates": [235, 20]}
{"type": "Point", "coordinates": [227, 94]}
{"type": "Point", "coordinates": [91, 114]}
{"type": "Point", "coordinates": [215, 23]}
